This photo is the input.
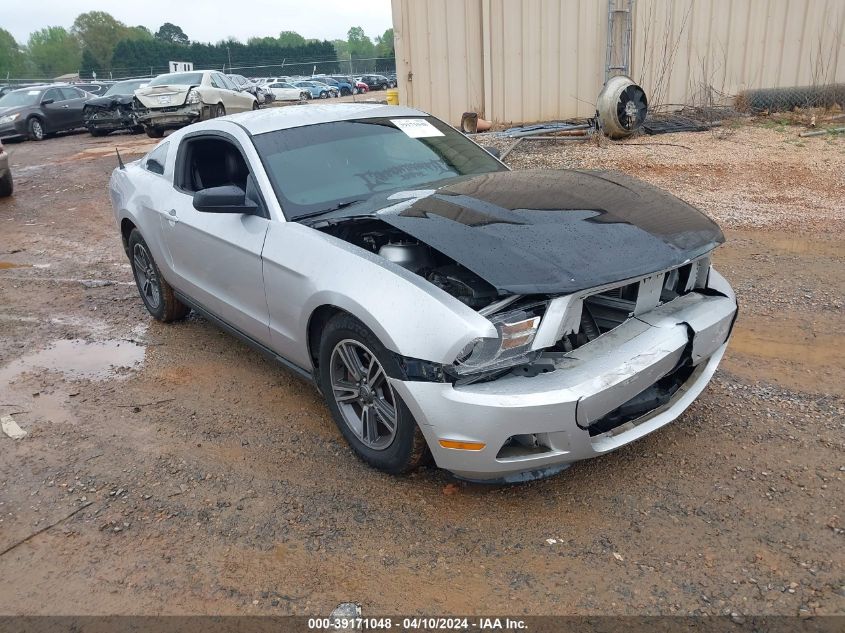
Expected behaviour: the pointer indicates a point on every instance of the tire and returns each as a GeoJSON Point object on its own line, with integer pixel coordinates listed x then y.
{"type": "Point", "coordinates": [383, 87]}
{"type": "Point", "coordinates": [355, 91]}
{"type": "Point", "coordinates": [220, 110]}
{"type": "Point", "coordinates": [324, 95]}
{"type": "Point", "coordinates": [396, 452]}
{"type": "Point", "coordinates": [154, 132]}
{"type": "Point", "coordinates": [6, 185]}
{"type": "Point", "coordinates": [35, 129]}
{"type": "Point", "coordinates": [255, 105]}
{"type": "Point", "coordinates": [96, 132]}
{"type": "Point", "coordinates": [304, 96]}
{"type": "Point", "coordinates": [156, 293]}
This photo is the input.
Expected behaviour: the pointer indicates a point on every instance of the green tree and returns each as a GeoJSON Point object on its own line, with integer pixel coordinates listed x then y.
{"type": "Point", "coordinates": [171, 33]}
{"type": "Point", "coordinates": [54, 51]}
{"type": "Point", "coordinates": [360, 47]}
{"type": "Point", "coordinates": [291, 39]}
{"type": "Point", "coordinates": [140, 32]}
{"type": "Point", "coordinates": [12, 58]}
{"type": "Point", "coordinates": [98, 33]}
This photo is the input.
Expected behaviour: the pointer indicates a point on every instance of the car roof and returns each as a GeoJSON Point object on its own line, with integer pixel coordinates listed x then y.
{"type": "Point", "coordinates": [272, 119]}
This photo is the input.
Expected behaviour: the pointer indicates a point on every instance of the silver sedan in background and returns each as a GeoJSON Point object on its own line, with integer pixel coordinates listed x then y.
{"type": "Point", "coordinates": [508, 323]}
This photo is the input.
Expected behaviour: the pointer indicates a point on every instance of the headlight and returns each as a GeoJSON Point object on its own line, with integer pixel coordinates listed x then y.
{"type": "Point", "coordinates": [193, 96]}
{"type": "Point", "coordinates": [516, 329]}
{"type": "Point", "coordinates": [10, 117]}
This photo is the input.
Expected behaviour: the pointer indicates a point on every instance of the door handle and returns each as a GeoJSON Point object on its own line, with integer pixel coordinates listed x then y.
{"type": "Point", "coordinates": [171, 217]}
{"type": "Point", "coordinates": [172, 212]}
{"type": "Point", "coordinates": [65, 106]}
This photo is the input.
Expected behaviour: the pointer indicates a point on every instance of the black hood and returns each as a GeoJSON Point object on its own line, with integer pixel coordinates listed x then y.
{"type": "Point", "coordinates": [546, 231]}
{"type": "Point", "coordinates": [111, 101]}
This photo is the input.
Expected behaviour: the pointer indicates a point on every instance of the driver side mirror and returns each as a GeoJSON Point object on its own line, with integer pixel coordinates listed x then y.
{"type": "Point", "coordinates": [47, 101]}
{"type": "Point", "coordinates": [226, 199]}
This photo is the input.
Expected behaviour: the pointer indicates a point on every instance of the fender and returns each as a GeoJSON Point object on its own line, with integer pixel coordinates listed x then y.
{"type": "Point", "coordinates": [324, 270]}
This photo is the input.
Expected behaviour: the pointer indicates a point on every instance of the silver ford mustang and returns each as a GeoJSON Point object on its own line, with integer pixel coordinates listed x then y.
{"type": "Point", "coordinates": [505, 323]}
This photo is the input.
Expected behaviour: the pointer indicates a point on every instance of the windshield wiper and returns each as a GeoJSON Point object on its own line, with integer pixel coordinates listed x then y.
{"type": "Point", "coordinates": [337, 207]}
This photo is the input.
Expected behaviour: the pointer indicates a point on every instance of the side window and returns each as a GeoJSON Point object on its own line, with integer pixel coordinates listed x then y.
{"type": "Point", "coordinates": [52, 93]}
{"type": "Point", "coordinates": [71, 93]}
{"type": "Point", "coordinates": [217, 81]}
{"type": "Point", "coordinates": [156, 159]}
{"type": "Point", "coordinates": [210, 161]}
{"type": "Point", "coordinates": [228, 83]}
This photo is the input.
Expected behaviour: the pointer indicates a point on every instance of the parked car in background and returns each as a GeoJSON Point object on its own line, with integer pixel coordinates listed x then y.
{"type": "Point", "coordinates": [37, 111]}
{"type": "Point", "coordinates": [6, 185]}
{"type": "Point", "coordinates": [114, 110]}
{"type": "Point", "coordinates": [378, 82]}
{"type": "Point", "coordinates": [175, 100]}
{"type": "Point", "coordinates": [362, 87]}
{"type": "Point", "coordinates": [347, 81]}
{"type": "Point", "coordinates": [344, 87]}
{"type": "Point", "coordinates": [283, 91]}
{"type": "Point", "coordinates": [317, 90]}
{"type": "Point", "coordinates": [251, 87]}
{"type": "Point", "coordinates": [509, 323]}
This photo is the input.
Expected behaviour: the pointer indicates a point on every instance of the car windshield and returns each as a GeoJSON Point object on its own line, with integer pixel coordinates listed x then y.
{"type": "Point", "coordinates": [126, 87]}
{"type": "Point", "coordinates": [177, 79]}
{"type": "Point", "coordinates": [317, 168]}
{"type": "Point", "coordinates": [20, 98]}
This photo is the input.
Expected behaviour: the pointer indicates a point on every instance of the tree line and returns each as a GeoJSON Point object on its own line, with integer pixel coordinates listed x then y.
{"type": "Point", "coordinates": [99, 45]}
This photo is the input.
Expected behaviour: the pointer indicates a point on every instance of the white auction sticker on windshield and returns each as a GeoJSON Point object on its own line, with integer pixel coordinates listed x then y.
{"type": "Point", "coordinates": [416, 128]}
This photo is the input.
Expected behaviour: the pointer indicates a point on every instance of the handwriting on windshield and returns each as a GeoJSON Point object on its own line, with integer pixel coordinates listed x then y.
{"type": "Point", "coordinates": [421, 172]}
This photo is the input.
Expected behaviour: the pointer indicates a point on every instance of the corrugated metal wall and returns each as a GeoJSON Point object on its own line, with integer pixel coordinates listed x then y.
{"type": "Point", "coordinates": [529, 60]}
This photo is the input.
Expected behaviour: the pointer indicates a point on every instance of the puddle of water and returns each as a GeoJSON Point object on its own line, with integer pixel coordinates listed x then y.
{"type": "Point", "coordinates": [7, 265]}
{"type": "Point", "coordinates": [79, 359]}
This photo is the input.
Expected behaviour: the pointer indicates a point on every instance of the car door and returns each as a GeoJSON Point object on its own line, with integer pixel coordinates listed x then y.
{"type": "Point", "coordinates": [216, 257]}
{"type": "Point", "coordinates": [55, 110]}
{"type": "Point", "coordinates": [241, 99]}
{"type": "Point", "coordinates": [74, 100]}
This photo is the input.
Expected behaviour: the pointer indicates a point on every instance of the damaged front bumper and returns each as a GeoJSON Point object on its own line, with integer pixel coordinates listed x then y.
{"type": "Point", "coordinates": [625, 384]}
{"type": "Point", "coordinates": [111, 121]}
{"type": "Point", "coordinates": [175, 116]}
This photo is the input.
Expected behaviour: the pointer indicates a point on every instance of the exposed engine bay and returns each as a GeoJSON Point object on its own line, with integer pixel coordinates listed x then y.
{"type": "Point", "coordinates": [399, 248]}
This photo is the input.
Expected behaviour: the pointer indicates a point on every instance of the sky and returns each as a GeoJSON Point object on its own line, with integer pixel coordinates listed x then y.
{"type": "Point", "coordinates": [209, 20]}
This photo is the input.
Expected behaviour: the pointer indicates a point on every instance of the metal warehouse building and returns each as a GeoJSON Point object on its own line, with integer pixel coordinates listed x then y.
{"type": "Point", "coordinates": [531, 60]}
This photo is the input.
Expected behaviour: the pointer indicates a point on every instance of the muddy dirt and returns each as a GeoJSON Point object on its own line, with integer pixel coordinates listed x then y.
{"type": "Point", "coordinates": [204, 479]}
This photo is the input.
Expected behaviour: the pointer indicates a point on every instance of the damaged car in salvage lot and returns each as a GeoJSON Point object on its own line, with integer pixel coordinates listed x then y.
{"type": "Point", "coordinates": [175, 100]}
{"type": "Point", "coordinates": [508, 323]}
{"type": "Point", "coordinates": [114, 110]}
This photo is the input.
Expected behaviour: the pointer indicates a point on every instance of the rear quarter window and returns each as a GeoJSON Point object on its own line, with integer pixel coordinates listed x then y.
{"type": "Point", "coordinates": [155, 161]}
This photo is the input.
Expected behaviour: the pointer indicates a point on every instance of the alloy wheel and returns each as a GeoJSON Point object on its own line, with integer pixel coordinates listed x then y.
{"type": "Point", "coordinates": [146, 277]}
{"type": "Point", "coordinates": [363, 394]}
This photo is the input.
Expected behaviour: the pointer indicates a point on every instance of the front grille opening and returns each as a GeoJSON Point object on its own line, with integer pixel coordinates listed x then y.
{"type": "Point", "coordinates": [655, 396]}
{"type": "Point", "coordinates": [525, 445]}
{"type": "Point", "coordinates": [607, 310]}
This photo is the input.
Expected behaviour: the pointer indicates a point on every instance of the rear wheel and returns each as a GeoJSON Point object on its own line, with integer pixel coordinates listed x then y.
{"type": "Point", "coordinates": [255, 105]}
{"type": "Point", "coordinates": [220, 111]}
{"type": "Point", "coordinates": [304, 96]}
{"type": "Point", "coordinates": [96, 132]}
{"type": "Point", "coordinates": [353, 370]}
{"type": "Point", "coordinates": [36, 129]}
{"type": "Point", "coordinates": [156, 293]}
{"type": "Point", "coordinates": [154, 132]}
{"type": "Point", "coordinates": [324, 95]}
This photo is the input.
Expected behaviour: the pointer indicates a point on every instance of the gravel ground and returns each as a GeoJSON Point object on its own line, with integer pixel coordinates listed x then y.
{"type": "Point", "coordinates": [169, 469]}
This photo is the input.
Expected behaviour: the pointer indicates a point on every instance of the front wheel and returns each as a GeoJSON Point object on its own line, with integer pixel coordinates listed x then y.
{"type": "Point", "coordinates": [304, 96]}
{"type": "Point", "coordinates": [324, 95]}
{"type": "Point", "coordinates": [220, 110]}
{"type": "Point", "coordinates": [156, 293]}
{"type": "Point", "coordinates": [36, 129]}
{"type": "Point", "coordinates": [154, 132]}
{"type": "Point", "coordinates": [353, 375]}
{"type": "Point", "coordinates": [255, 105]}
{"type": "Point", "coordinates": [95, 132]}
